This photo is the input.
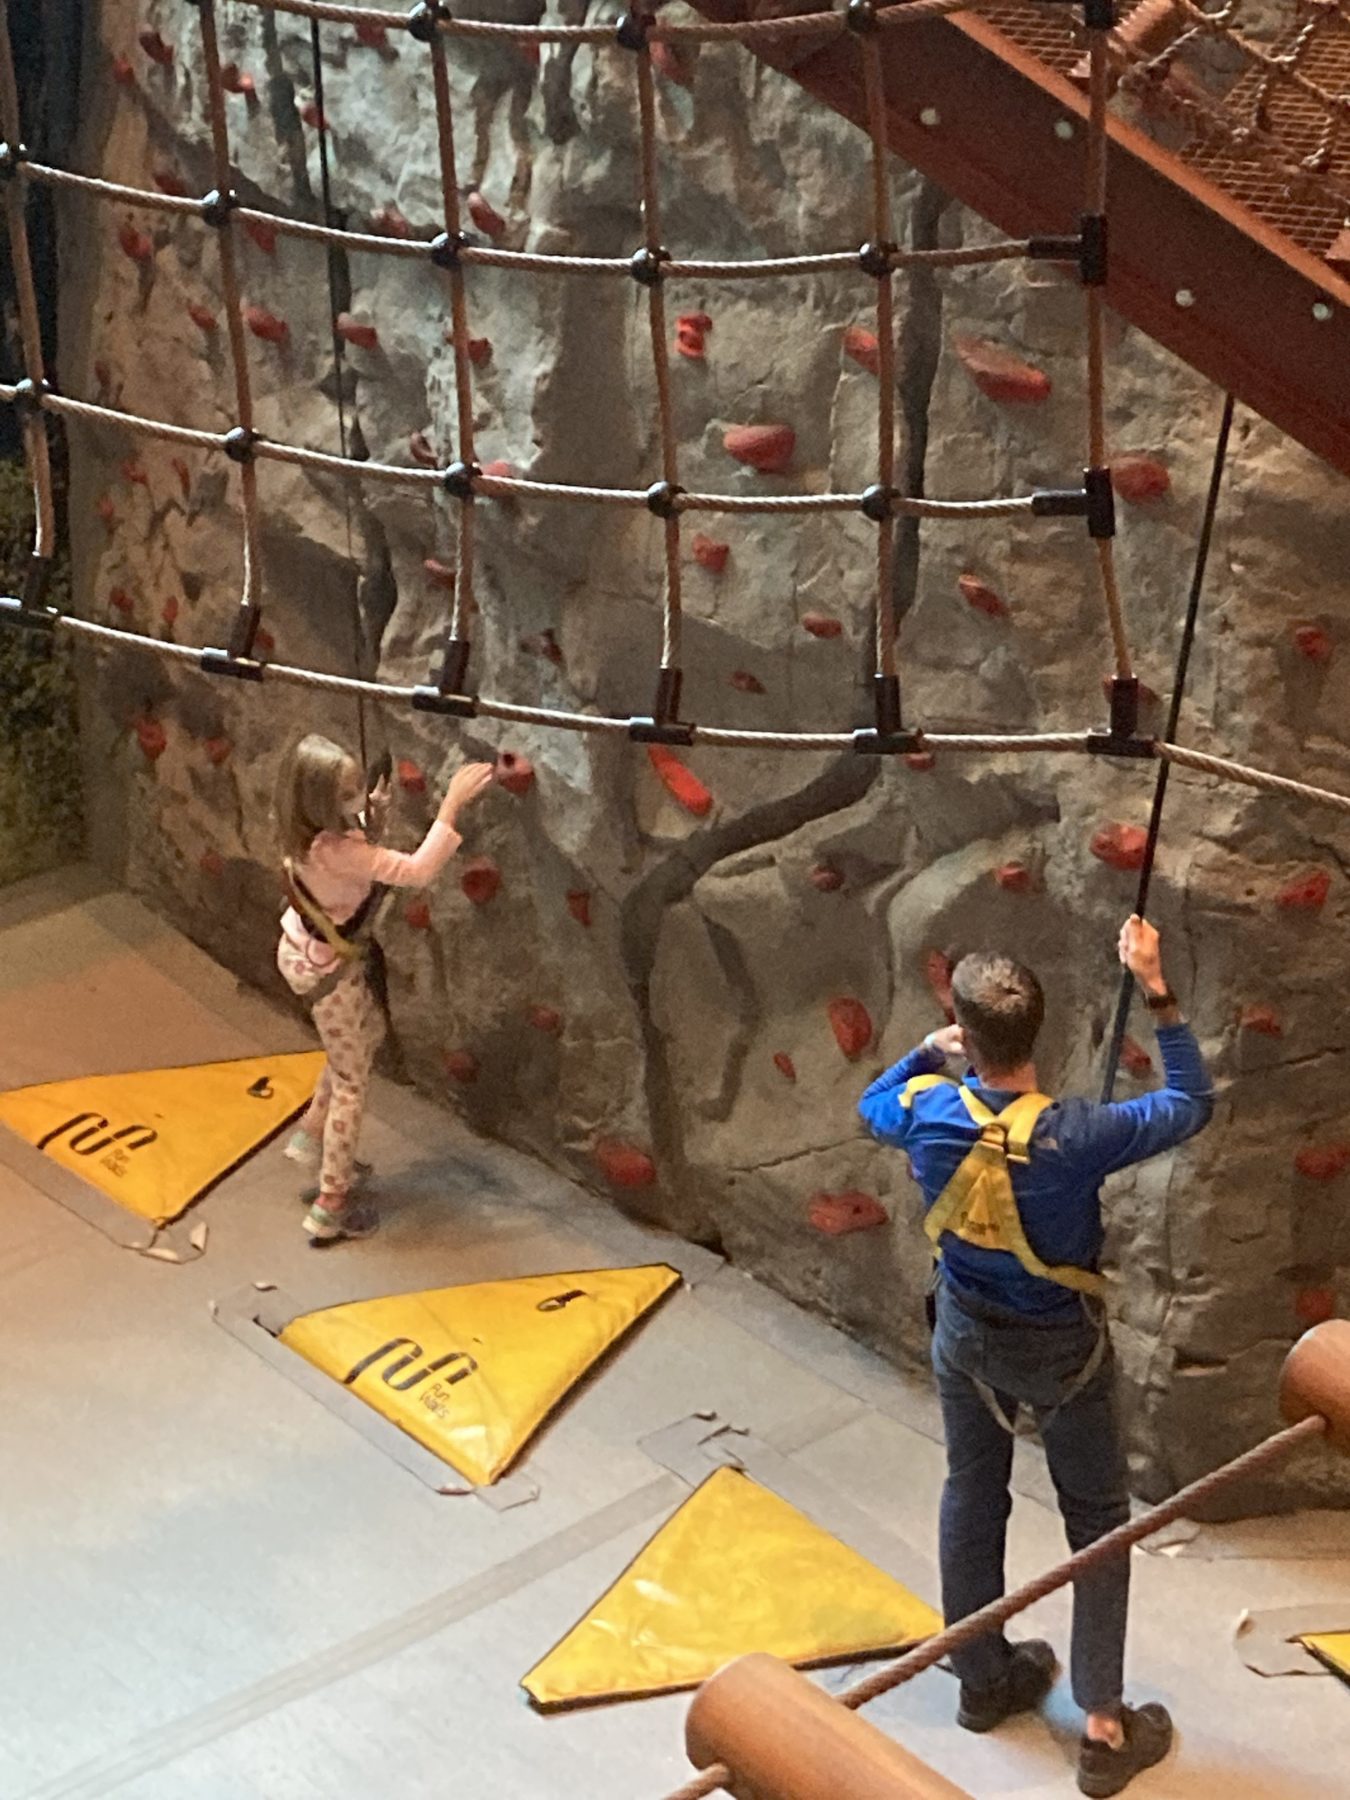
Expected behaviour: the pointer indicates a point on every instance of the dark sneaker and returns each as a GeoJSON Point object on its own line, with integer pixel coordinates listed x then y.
{"type": "Point", "coordinates": [1030, 1676]}
{"type": "Point", "coordinates": [1103, 1771]}
{"type": "Point", "coordinates": [325, 1227]}
{"type": "Point", "coordinates": [361, 1173]}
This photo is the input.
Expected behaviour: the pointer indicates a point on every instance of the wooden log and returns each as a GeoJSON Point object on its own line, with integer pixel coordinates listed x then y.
{"type": "Point", "coordinates": [1315, 1380]}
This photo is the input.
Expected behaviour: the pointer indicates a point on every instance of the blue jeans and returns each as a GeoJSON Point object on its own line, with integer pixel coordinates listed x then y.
{"type": "Point", "coordinates": [1033, 1364]}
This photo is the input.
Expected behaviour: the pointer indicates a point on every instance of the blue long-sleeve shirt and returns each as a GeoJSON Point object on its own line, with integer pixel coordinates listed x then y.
{"type": "Point", "coordinates": [1075, 1145]}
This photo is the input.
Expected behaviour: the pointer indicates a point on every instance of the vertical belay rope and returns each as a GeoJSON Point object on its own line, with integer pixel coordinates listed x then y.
{"type": "Point", "coordinates": [882, 248]}
{"type": "Point", "coordinates": [1169, 735]}
{"type": "Point", "coordinates": [339, 372]}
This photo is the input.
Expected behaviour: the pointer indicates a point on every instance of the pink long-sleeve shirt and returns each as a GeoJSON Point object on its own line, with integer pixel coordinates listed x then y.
{"type": "Point", "coordinates": [342, 867]}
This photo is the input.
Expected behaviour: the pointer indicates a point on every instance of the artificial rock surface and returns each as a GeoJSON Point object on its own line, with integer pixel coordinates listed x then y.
{"type": "Point", "coordinates": [689, 1018]}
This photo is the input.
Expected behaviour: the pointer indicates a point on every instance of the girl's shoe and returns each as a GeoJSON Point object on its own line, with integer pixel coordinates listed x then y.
{"type": "Point", "coordinates": [302, 1148]}
{"type": "Point", "coordinates": [361, 1173]}
{"type": "Point", "coordinates": [325, 1225]}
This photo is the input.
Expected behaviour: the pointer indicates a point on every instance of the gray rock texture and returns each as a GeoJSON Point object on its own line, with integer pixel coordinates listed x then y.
{"type": "Point", "coordinates": [710, 951]}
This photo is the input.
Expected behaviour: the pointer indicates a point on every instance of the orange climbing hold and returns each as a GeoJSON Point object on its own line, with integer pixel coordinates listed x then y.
{"type": "Point", "coordinates": [768, 448]}
{"type": "Point", "coordinates": [1323, 1162]}
{"type": "Point", "coordinates": [1313, 642]}
{"type": "Point", "coordinates": [217, 750]}
{"type": "Point", "coordinates": [546, 1019]}
{"type": "Point", "coordinates": [579, 905]}
{"type": "Point", "coordinates": [1307, 893]}
{"type": "Point", "coordinates": [1315, 1305]}
{"type": "Point", "coordinates": [826, 878]}
{"type": "Point", "coordinates": [862, 346]}
{"type": "Point", "coordinates": [353, 331]}
{"type": "Point", "coordinates": [485, 216]}
{"type": "Point", "coordinates": [268, 326]}
{"type": "Point", "coordinates": [1140, 479]}
{"type": "Point", "coordinates": [785, 1065]}
{"type": "Point", "coordinates": [709, 554]}
{"type": "Point", "coordinates": [1263, 1019]}
{"type": "Point", "coordinates": [836, 1214]}
{"type": "Point", "coordinates": [312, 115]}
{"type": "Point", "coordinates": [439, 574]}
{"type": "Point", "coordinates": [502, 470]}
{"type": "Point", "coordinates": [169, 181]}
{"type": "Point", "coordinates": [1015, 878]}
{"type": "Point", "coordinates": [135, 244]}
{"type": "Point", "coordinates": [263, 234]}
{"type": "Point", "coordinates": [478, 351]}
{"type": "Point", "coordinates": [624, 1165]}
{"type": "Point", "coordinates": [389, 221]}
{"type": "Point", "coordinates": [202, 316]}
{"type": "Point", "coordinates": [680, 782]}
{"type": "Point", "coordinates": [821, 625]}
{"type": "Point", "coordinates": [1120, 846]}
{"type": "Point", "coordinates": [422, 450]}
{"type": "Point", "coordinates": [851, 1024]}
{"type": "Point", "coordinates": [982, 598]}
{"type": "Point", "coordinates": [156, 48]}
{"type": "Point", "coordinates": [1134, 1056]}
{"type": "Point", "coordinates": [514, 772]}
{"type": "Point", "coordinates": [150, 735]}
{"type": "Point", "coordinates": [410, 777]}
{"type": "Point", "coordinates": [461, 1066]}
{"type": "Point", "coordinates": [169, 611]}
{"type": "Point", "coordinates": [481, 879]}
{"type": "Point", "coordinates": [1000, 375]}
{"type": "Point", "coordinates": [417, 914]}
{"type": "Point", "coordinates": [746, 683]}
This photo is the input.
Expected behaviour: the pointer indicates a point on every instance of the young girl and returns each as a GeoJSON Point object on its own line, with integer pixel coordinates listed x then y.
{"type": "Point", "coordinates": [334, 873]}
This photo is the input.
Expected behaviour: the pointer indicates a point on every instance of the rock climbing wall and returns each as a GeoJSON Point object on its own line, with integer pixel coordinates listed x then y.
{"type": "Point", "coordinates": [671, 978]}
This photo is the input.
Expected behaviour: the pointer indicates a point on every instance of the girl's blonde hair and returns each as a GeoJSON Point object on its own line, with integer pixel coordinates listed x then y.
{"type": "Point", "coordinates": [309, 794]}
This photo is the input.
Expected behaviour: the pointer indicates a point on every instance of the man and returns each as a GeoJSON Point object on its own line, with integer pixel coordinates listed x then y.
{"type": "Point", "coordinates": [1010, 1183]}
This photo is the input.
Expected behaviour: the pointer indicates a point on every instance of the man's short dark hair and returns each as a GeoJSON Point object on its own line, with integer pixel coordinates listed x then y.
{"type": "Point", "coordinates": [1000, 1007]}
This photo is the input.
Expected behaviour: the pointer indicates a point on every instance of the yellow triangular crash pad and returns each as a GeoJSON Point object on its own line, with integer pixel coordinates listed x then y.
{"type": "Point", "coordinates": [736, 1569]}
{"type": "Point", "coordinates": [1331, 1648]}
{"type": "Point", "coordinates": [472, 1372]}
{"type": "Point", "coordinates": [155, 1139]}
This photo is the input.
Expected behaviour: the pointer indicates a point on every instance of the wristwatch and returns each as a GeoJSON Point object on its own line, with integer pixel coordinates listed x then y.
{"type": "Point", "coordinates": [1161, 1002]}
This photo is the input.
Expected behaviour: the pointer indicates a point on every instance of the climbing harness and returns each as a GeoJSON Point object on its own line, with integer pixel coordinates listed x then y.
{"type": "Point", "coordinates": [978, 1205]}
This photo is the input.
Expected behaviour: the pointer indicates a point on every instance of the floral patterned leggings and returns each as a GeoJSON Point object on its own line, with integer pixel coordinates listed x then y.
{"type": "Point", "coordinates": [350, 1025]}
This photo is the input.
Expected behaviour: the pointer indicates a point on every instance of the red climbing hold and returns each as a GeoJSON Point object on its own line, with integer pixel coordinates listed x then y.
{"type": "Point", "coordinates": [235, 82]}
{"type": "Point", "coordinates": [422, 450]}
{"type": "Point", "coordinates": [202, 316]}
{"type": "Point", "coordinates": [263, 234]}
{"type": "Point", "coordinates": [543, 643]}
{"type": "Point", "coordinates": [1323, 1162]}
{"type": "Point", "coordinates": [836, 1214]}
{"type": "Point", "coordinates": [211, 863]}
{"type": "Point", "coordinates": [1315, 1305]}
{"type": "Point", "coordinates": [826, 878]}
{"type": "Point", "coordinates": [691, 329]}
{"type": "Point", "coordinates": [529, 53]}
{"type": "Point", "coordinates": [767, 448]}
{"type": "Point", "coordinates": [156, 48]}
{"type": "Point", "coordinates": [121, 601]}
{"type": "Point", "coordinates": [312, 114]}
{"type": "Point", "coordinates": [134, 472]}
{"type": "Point", "coordinates": [921, 761]}
{"type": "Point", "coordinates": [373, 36]}
{"type": "Point", "coordinates": [169, 181]}
{"type": "Point", "coordinates": [103, 375]}
{"type": "Point", "coordinates": [107, 511]}
{"type": "Point", "coordinates": [1120, 846]}
{"type": "Point", "coordinates": [169, 611]}
{"type": "Point", "coordinates": [1261, 1018]}
{"type": "Point", "coordinates": [937, 969]}
{"type": "Point", "coordinates": [481, 879]}
{"type": "Point", "coordinates": [478, 351]}
{"type": "Point", "coordinates": [671, 62]}
{"type": "Point", "coordinates": [785, 1065]}
{"type": "Point", "coordinates": [680, 782]}
{"type": "Point", "coordinates": [439, 574]}
{"type": "Point", "coordinates": [1140, 479]}
{"type": "Point", "coordinates": [501, 470]}
{"type": "Point", "coordinates": [821, 625]}
{"type": "Point", "coordinates": [1134, 1056]}
{"type": "Point", "coordinates": [1307, 893]}
{"type": "Point", "coordinates": [218, 750]}
{"type": "Point", "coordinates": [746, 683]}
{"type": "Point", "coordinates": [709, 554]}
{"type": "Point", "coordinates": [151, 737]}
{"type": "Point", "coordinates": [263, 643]}
{"type": "Point", "coordinates": [184, 474]}
{"type": "Point", "coordinates": [410, 777]}
{"type": "Point", "coordinates": [546, 1019]}
{"type": "Point", "coordinates": [624, 1165]}
{"type": "Point", "coordinates": [851, 1024]}
{"type": "Point", "coordinates": [417, 914]}
{"type": "Point", "coordinates": [1313, 642]}
{"type": "Point", "coordinates": [135, 244]}
{"type": "Point", "coordinates": [862, 346]}
{"type": "Point", "coordinates": [1147, 696]}
{"type": "Point", "coordinates": [123, 73]}
{"type": "Point", "coordinates": [1015, 878]}
{"type": "Point", "coordinates": [1000, 375]}
{"type": "Point", "coordinates": [390, 222]}
{"type": "Point", "coordinates": [579, 905]}
{"type": "Point", "coordinates": [352, 331]}
{"type": "Point", "coordinates": [485, 216]}
{"type": "Point", "coordinates": [514, 772]}
{"type": "Point", "coordinates": [266, 325]}
{"type": "Point", "coordinates": [982, 598]}
{"type": "Point", "coordinates": [461, 1066]}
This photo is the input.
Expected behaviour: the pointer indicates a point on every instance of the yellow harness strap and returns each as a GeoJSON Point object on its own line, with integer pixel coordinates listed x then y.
{"type": "Point", "coordinates": [978, 1204]}
{"type": "Point", "coordinates": [316, 918]}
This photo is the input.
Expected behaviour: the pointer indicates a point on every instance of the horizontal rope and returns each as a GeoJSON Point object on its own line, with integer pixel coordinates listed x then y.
{"type": "Point", "coordinates": [1249, 777]}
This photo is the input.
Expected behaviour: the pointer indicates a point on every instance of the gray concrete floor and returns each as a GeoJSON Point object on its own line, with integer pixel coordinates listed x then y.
{"type": "Point", "coordinates": [211, 1586]}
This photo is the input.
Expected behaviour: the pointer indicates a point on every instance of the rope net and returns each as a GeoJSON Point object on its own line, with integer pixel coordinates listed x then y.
{"type": "Point", "coordinates": [451, 253]}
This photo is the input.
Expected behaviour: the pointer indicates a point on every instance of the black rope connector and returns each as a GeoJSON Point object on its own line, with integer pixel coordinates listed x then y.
{"type": "Point", "coordinates": [458, 481]}
{"type": "Point", "coordinates": [1121, 738]}
{"type": "Point", "coordinates": [12, 158]}
{"type": "Point", "coordinates": [29, 395]}
{"type": "Point", "coordinates": [217, 206]}
{"type": "Point", "coordinates": [1099, 15]}
{"type": "Point", "coordinates": [238, 662]}
{"type": "Point", "coordinates": [444, 250]}
{"type": "Point", "coordinates": [665, 725]}
{"type": "Point", "coordinates": [239, 444]}
{"type": "Point", "coordinates": [424, 20]}
{"type": "Point", "coordinates": [861, 16]}
{"type": "Point", "coordinates": [447, 697]}
{"type": "Point", "coordinates": [31, 612]}
{"type": "Point", "coordinates": [1059, 503]}
{"type": "Point", "coordinates": [888, 736]}
{"type": "Point", "coordinates": [1055, 249]}
{"type": "Point", "coordinates": [1092, 250]}
{"type": "Point", "coordinates": [878, 502]}
{"type": "Point", "coordinates": [645, 265]}
{"type": "Point", "coordinates": [1101, 503]}
{"type": "Point", "coordinates": [631, 31]}
{"type": "Point", "coordinates": [877, 259]}
{"type": "Point", "coordinates": [663, 499]}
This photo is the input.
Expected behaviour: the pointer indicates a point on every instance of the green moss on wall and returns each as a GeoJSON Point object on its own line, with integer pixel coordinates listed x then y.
{"type": "Point", "coordinates": [40, 820]}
